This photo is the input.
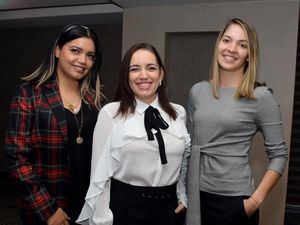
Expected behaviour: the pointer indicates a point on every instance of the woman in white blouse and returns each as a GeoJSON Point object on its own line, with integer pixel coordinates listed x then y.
{"type": "Point", "coordinates": [140, 150]}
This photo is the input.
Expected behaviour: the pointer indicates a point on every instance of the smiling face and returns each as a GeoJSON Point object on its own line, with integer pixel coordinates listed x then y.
{"type": "Point", "coordinates": [233, 50]}
{"type": "Point", "coordinates": [145, 75]}
{"type": "Point", "coordinates": [75, 58]}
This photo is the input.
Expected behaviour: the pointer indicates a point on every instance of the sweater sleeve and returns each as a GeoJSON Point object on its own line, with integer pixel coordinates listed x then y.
{"type": "Point", "coordinates": [190, 112]}
{"type": "Point", "coordinates": [181, 185]}
{"type": "Point", "coordinates": [20, 156]}
{"type": "Point", "coordinates": [270, 124]}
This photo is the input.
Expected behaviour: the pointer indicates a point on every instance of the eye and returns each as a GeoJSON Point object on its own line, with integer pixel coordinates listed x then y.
{"type": "Point", "coordinates": [133, 69]}
{"type": "Point", "coordinates": [225, 40]}
{"type": "Point", "coordinates": [74, 50]}
{"type": "Point", "coordinates": [243, 45]}
{"type": "Point", "coordinates": [152, 68]}
{"type": "Point", "coordinates": [91, 57]}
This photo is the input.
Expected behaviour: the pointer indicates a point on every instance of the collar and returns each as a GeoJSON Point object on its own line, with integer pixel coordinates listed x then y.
{"type": "Point", "coordinates": [142, 106]}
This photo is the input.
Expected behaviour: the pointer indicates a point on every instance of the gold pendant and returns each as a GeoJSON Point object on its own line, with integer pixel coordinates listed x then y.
{"type": "Point", "coordinates": [71, 108]}
{"type": "Point", "coordinates": [79, 140]}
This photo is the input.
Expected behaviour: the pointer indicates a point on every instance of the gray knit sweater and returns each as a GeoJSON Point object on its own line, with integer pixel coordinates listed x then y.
{"type": "Point", "coordinates": [221, 131]}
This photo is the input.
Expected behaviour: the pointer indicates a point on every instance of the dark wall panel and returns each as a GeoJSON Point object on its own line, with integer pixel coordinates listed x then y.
{"type": "Point", "coordinates": [187, 59]}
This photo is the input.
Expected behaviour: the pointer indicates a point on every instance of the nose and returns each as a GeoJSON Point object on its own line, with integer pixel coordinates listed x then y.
{"type": "Point", "coordinates": [82, 58]}
{"type": "Point", "coordinates": [143, 74]}
{"type": "Point", "coordinates": [232, 47]}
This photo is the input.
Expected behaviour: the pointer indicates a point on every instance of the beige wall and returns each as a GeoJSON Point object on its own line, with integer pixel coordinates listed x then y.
{"type": "Point", "coordinates": [277, 25]}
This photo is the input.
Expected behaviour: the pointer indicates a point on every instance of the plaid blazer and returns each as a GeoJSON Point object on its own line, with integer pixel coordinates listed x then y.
{"type": "Point", "coordinates": [36, 149]}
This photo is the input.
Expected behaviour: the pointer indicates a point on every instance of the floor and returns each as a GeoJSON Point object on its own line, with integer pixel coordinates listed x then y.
{"type": "Point", "coordinates": [9, 215]}
{"type": "Point", "coordinates": [292, 215]}
{"type": "Point", "coordinates": [8, 210]}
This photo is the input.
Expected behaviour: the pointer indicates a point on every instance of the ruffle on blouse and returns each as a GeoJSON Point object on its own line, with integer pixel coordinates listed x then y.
{"type": "Point", "coordinates": [123, 133]}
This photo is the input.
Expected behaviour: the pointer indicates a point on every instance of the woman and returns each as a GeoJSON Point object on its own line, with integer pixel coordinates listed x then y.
{"type": "Point", "coordinates": [50, 125]}
{"type": "Point", "coordinates": [223, 116]}
{"type": "Point", "coordinates": [138, 149]}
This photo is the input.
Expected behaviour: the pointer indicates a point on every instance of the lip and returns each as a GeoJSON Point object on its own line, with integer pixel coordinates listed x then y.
{"type": "Point", "coordinates": [229, 58]}
{"type": "Point", "coordinates": [143, 85]}
{"type": "Point", "coordinates": [79, 68]}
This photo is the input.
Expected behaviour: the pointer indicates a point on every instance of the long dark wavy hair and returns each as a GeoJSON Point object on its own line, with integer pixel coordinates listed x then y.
{"type": "Point", "coordinates": [124, 93]}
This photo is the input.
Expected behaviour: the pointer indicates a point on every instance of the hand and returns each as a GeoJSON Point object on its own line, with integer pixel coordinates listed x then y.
{"type": "Point", "coordinates": [58, 218]}
{"type": "Point", "coordinates": [250, 206]}
{"type": "Point", "coordinates": [180, 208]}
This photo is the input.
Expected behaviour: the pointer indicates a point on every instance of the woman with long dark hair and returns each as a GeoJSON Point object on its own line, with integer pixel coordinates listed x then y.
{"type": "Point", "coordinates": [49, 133]}
{"type": "Point", "coordinates": [138, 150]}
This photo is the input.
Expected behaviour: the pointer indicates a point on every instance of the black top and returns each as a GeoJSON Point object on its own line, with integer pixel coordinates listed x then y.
{"type": "Point", "coordinates": [80, 156]}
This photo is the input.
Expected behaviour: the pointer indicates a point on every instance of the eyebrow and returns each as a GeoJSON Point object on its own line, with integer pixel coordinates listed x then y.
{"type": "Point", "coordinates": [74, 46]}
{"type": "Point", "coordinates": [149, 64]}
{"type": "Point", "coordinates": [152, 64]}
{"type": "Point", "coordinates": [134, 65]}
{"type": "Point", "coordinates": [241, 40]}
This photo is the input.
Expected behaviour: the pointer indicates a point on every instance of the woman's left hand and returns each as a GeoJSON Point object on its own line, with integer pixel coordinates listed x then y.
{"type": "Point", "coordinates": [179, 208]}
{"type": "Point", "coordinates": [250, 206]}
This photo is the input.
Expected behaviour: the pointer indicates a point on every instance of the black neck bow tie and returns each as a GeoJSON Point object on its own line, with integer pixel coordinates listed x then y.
{"type": "Point", "coordinates": [153, 120]}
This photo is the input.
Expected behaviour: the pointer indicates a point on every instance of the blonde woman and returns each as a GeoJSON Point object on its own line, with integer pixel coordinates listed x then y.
{"type": "Point", "coordinates": [223, 116]}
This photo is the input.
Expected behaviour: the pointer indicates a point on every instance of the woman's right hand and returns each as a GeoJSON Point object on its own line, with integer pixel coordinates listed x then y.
{"type": "Point", "coordinates": [250, 206]}
{"type": "Point", "coordinates": [58, 218]}
{"type": "Point", "coordinates": [179, 208]}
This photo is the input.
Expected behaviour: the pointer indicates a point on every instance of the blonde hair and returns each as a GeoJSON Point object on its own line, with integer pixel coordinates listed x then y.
{"type": "Point", "coordinates": [90, 84]}
{"type": "Point", "coordinates": [247, 84]}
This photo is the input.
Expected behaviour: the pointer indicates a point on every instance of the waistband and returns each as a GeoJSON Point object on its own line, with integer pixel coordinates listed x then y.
{"type": "Point", "coordinates": [143, 194]}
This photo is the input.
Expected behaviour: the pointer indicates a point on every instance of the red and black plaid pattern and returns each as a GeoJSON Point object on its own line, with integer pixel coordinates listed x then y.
{"type": "Point", "coordinates": [37, 150]}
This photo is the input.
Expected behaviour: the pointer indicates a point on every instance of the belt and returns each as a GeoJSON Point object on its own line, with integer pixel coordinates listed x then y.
{"type": "Point", "coordinates": [143, 194]}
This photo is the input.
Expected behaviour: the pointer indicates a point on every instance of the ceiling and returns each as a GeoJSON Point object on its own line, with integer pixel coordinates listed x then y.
{"type": "Point", "coordinates": [29, 4]}
{"type": "Point", "coordinates": [28, 13]}
{"type": "Point", "coordinates": [33, 13]}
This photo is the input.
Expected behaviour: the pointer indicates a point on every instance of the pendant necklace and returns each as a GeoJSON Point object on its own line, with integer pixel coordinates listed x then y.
{"type": "Point", "coordinates": [79, 139]}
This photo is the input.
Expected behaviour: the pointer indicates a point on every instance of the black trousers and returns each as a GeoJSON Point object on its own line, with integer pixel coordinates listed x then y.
{"type": "Point", "coordinates": [225, 210]}
{"type": "Point", "coordinates": [135, 205]}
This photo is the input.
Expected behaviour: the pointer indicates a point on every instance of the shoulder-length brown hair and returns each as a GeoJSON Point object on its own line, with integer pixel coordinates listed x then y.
{"type": "Point", "coordinates": [124, 93]}
{"type": "Point", "coordinates": [247, 84]}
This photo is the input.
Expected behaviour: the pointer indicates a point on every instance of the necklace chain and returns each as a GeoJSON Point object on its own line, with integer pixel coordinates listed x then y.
{"type": "Point", "coordinates": [72, 108]}
{"type": "Point", "coordinates": [79, 139]}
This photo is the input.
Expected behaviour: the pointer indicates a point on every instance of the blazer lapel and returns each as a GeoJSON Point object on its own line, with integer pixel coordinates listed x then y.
{"type": "Point", "coordinates": [53, 97]}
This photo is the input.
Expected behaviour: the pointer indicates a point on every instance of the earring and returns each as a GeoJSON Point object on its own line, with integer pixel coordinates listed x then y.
{"type": "Point", "coordinates": [160, 83]}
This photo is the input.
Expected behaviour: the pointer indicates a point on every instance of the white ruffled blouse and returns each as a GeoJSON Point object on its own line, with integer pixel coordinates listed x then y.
{"type": "Point", "coordinates": [121, 150]}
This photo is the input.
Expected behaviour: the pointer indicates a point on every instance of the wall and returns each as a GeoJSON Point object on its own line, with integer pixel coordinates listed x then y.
{"type": "Point", "coordinates": [276, 23]}
{"type": "Point", "coordinates": [182, 53]}
{"type": "Point", "coordinates": [22, 50]}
